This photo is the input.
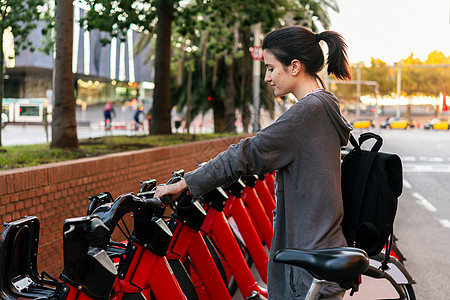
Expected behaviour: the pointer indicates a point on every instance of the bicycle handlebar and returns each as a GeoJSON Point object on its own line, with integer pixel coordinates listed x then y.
{"type": "Point", "coordinates": [111, 213]}
{"type": "Point", "coordinates": [96, 201]}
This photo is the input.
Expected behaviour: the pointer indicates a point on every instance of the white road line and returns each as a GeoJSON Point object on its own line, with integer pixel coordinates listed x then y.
{"type": "Point", "coordinates": [445, 223]}
{"type": "Point", "coordinates": [424, 202]}
{"type": "Point", "coordinates": [406, 184]}
{"type": "Point", "coordinates": [408, 158]}
{"type": "Point", "coordinates": [426, 169]}
{"type": "Point", "coordinates": [436, 159]}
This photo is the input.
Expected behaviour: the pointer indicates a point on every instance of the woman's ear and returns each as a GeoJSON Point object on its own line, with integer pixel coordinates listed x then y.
{"type": "Point", "coordinates": [296, 67]}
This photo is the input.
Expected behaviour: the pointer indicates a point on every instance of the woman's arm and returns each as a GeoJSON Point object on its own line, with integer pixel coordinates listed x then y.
{"type": "Point", "coordinates": [174, 190]}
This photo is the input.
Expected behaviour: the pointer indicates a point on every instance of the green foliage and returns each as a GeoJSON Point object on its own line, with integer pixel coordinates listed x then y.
{"type": "Point", "coordinates": [116, 17]}
{"type": "Point", "coordinates": [20, 17]}
{"type": "Point", "coordinates": [430, 77]}
{"type": "Point", "coordinates": [204, 33]}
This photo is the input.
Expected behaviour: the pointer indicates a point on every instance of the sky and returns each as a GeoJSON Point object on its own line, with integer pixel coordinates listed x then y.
{"type": "Point", "coordinates": [393, 29]}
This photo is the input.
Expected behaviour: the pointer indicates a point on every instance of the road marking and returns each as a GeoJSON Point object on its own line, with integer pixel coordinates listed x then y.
{"type": "Point", "coordinates": [409, 158]}
{"type": "Point", "coordinates": [423, 168]}
{"type": "Point", "coordinates": [406, 184]}
{"type": "Point", "coordinates": [436, 159]}
{"type": "Point", "coordinates": [445, 223]}
{"type": "Point", "coordinates": [426, 169]}
{"type": "Point", "coordinates": [424, 202]}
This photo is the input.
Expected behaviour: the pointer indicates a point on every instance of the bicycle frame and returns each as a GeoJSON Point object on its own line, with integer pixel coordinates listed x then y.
{"type": "Point", "coordinates": [254, 203]}
{"type": "Point", "coordinates": [216, 226]}
{"type": "Point", "coordinates": [235, 207]}
{"type": "Point", "coordinates": [267, 199]}
{"type": "Point", "coordinates": [188, 242]}
{"type": "Point", "coordinates": [144, 265]}
{"type": "Point", "coordinates": [146, 271]}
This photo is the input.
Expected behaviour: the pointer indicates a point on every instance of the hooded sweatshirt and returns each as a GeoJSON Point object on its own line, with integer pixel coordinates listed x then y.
{"type": "Point", "coordinates": [303, 145]}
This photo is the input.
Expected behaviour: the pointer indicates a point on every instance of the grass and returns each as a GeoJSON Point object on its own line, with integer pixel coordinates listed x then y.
{"type": "Point", "coordinates": [13, 157]}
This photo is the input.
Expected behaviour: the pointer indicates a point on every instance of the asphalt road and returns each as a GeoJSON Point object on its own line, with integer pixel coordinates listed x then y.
{"type": "Point", "coordinates": [423, 218]}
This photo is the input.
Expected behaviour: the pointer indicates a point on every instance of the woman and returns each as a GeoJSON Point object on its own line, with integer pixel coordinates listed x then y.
{"type": "Point", "coordinates": [303, 145]}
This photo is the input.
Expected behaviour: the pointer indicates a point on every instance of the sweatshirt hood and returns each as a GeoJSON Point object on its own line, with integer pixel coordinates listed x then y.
{"type": "Point", "coordinates": [332, 107]}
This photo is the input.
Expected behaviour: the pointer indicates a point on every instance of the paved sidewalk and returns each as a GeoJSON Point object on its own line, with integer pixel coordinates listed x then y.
{"type": "Point", "coordinates": [370, 289]}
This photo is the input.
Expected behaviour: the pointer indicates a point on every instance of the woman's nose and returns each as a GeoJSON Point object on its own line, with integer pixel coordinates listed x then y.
{"type": "Point", "coordinates": [267, 77]}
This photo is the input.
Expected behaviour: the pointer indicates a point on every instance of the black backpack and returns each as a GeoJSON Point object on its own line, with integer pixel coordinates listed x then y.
{"type": "Point", "coordinates": [371, 183]}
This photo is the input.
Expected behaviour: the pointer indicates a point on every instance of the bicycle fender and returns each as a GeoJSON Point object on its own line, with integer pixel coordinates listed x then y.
{"type": "Point", "coordinates": [396, 270]}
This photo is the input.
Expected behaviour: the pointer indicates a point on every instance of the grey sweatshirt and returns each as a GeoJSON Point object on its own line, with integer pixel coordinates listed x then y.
{"type": "Point", "coordinates": [304, 146]}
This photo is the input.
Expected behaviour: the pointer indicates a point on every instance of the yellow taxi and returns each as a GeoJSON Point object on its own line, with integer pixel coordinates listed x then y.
{"type": "Point", "coordinates": [362, 123]}
{"type": "Point", "coordinates": [398, 123]}
{"type": "Point", "coordinates": [437, 124]}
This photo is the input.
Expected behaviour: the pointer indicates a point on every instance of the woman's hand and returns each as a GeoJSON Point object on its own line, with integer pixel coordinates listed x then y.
{"type": "Point", "coordinates": [173, 190]}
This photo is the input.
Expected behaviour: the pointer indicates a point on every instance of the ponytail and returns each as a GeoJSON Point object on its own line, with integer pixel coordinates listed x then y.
{"type": "Point", "coordinates": [337, 54]}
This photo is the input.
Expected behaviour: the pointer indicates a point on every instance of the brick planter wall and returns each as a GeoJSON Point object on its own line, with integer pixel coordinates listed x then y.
{"type": "Point", "coordinates": [57, 191]}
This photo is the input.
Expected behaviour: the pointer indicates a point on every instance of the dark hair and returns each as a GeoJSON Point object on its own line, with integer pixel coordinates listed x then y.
{"type": "Point", "coordinates": [296, 42]}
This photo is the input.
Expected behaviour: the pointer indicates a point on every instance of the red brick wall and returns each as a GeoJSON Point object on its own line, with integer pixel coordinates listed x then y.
{"type": "Point", "coordinates": [57, 191]}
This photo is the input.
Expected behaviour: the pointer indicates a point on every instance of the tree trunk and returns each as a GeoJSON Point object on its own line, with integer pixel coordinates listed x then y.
{"type": "Point", "coordinates": [161, 123]}
{"type": "Point", "coordinates": [219, 115]}
{"type": "Point", "coordinates": [246, 114]}
{"type": "Point", "coordinates": [2, 80]}
{"type": "Point", "coordinates": [188, 101]}
{"type": "Point", "coordinates": [230, 105]}
{"type": "Point", "coordinates": [64, 125]}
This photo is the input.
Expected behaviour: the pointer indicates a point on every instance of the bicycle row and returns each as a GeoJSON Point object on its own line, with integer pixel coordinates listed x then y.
{"type": "Point", "coordinates": [178, 249]}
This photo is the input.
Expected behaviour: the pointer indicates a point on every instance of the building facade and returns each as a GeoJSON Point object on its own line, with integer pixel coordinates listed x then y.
{"type": "Point", "coordinates": [113, 72]}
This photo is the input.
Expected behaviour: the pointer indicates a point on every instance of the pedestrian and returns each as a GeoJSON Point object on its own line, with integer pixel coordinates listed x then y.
{"type": "Point", "coordinates": [108, 112]}
{"type": "Point", "coordinates": [303, 148]}
{"type": "Point", "coordinates": [136, 118]}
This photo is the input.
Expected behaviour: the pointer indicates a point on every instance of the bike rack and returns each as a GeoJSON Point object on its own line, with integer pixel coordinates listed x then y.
{"type": "Point", "coordinates": [18, 261]}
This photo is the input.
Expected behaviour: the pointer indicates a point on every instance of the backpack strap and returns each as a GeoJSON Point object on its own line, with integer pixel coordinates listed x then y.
{"type": "Point", "coordinates": [354, 142]}
{"type": "Point", "coordinates": [370, 135]}
{"type": "Point", "coordinates": [387, 252]}
{"type": "Point", "coordinates": [362, 175]}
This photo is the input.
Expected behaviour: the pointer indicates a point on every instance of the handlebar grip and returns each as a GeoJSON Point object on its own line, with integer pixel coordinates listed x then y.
{"type": "Point", "coordinates": [151, 203]}
{"type": "Point", "coordinates": [98, 228]}
{"type": "Point", "coordinates": [166, 200]}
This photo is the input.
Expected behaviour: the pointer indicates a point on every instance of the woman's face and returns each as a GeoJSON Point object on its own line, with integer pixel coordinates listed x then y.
{"type": "Point", "coordinates": [277, 75]}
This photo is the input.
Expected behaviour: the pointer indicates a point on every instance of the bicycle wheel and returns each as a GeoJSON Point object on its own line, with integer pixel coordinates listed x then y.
{"type": "Point", "coordinates": [183, 279]}
{"type": "Point", "coordinates": [409, 291]}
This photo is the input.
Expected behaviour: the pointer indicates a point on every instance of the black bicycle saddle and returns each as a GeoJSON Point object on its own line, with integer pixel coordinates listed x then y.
{"type": "Point", "coordinates": [334, 264]}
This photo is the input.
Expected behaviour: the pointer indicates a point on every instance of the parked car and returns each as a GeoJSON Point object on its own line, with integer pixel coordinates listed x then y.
{"type": "Point", "coordinates": [362, 123]}
{"type": "Point", "coordinates": [437, 124]}
{"type": "Point", "coordinates": [398, 123]}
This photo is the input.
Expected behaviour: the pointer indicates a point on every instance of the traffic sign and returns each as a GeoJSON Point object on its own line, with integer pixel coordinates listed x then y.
{"type": "Point", "coordinates": [256, 52]}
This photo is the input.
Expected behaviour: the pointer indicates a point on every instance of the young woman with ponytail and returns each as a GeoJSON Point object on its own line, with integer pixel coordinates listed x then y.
{"type": "Point", "coordinates": [303, 146]}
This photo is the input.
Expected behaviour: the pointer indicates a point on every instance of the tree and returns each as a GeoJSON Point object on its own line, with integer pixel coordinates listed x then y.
{"type": "Point", "coordinates": [225, 48]}
{"type": "Point", "coordinates": [18, 17]}
{"type": "Point", "coordinates": [161, 123]}
{"type": "Point", "coordinates": [64, 125]}
{"type": "Point", "coordinates": [116, 17]}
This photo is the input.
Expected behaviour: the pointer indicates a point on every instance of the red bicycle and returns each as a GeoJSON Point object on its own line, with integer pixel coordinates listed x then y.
{"type": "Point", "coordinates": [89, 272]}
